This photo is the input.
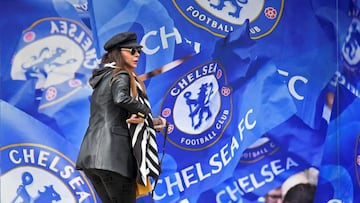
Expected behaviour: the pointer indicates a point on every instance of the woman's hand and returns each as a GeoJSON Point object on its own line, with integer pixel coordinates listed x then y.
{"type": "Point", "coordinates": [159, 123]}
{"type": "Point", "coordinates": [135, 119]}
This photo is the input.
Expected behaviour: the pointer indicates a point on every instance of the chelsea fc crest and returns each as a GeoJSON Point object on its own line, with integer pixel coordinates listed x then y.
{"type": "Point", "coordinates": [34, 173]}
{"type": "Point", "coordinates": [219, 17]}
{"type": "Point", "coordinates": [198, 107]}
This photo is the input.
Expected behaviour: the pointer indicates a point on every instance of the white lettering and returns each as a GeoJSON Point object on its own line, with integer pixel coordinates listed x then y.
{"type": "Point", "coordinates": [164, 38]}
{"type": "Point", "coordinates": [218, 196]}
{"type": "Point", "coordinates": [201, 17]}
{"type": "Point", "coordinates": [255, 29]}
{"type": "Point", "coordinates": [73, 31]}
{"type": "Point", "coordinates": [67, 172]}
{"type": "Point", "coordinates": [223, 155]}
{"type": "Point", "coordinates": [187, 176]}
{"type": "Point", "coordinates": [291, 86]}
{"type": "Point", "coordinates": [43, 158]}
{"type": "Point", "coordinates": [13, 158]}
{"type": "Point", "coordinates": [190, 77]}
{"type": "Point", "coordinates": [48, 161]}
{"type": "Point", "coordinates": [268, 175]}
{"type": "Point", "coordinates": [77, 180]}
{"type": "Point", "coordinates": [221, 121]}
{"type": "Point", "coordinates": [232, 192]}
{"type": "Point", "coordinates": [146, 48]}
{"type": "Point", "coordinates": [254, 181]}
{"type": "Point", "coordinates": [291, 83]}
{"type": "Point", "coordinates": [341, 79]}
{"type": "Point", "coordinates": [29, 156]}
{"type": "Point", "coordinates": [53, 164]}
{"type": "Point", "coordinates": [201, 173]}
{"type": "Point", "coordinates": [177, 183]}
{"type": "Point", "coordinates": [274, 168]}
{"type": "Point", "coordinates": [193, 174]}
{"type": "Point", "coordinates": [83, 196]}
{"type": "Point", "coordinates": [244, 184]}
{"type": "Point", "coordinates": [198, 141]}
{"type": "Point", "coordinates": [248, 125]}
{"type": "Point", "coordinates": [156, 196]}
{"type": "Point", "coordinates": [90, 61]}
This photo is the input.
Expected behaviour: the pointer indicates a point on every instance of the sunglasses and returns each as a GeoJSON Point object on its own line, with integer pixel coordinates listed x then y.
{"type": "Point", "coordinates": [132, 50]}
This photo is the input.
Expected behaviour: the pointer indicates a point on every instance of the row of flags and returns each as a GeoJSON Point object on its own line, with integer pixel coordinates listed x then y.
{"type": "Point", "coordinates": [254, 92]}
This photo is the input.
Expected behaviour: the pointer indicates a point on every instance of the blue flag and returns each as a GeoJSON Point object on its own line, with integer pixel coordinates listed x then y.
{"type": "Point", "coordinates": [151, 22]}
{"type": "Point", "coordinates": [211, 124]}
{"type": "Point", "coordinates": [262, 167]}
{"type": "Point", "coordinates": [298, 45]}
{"type": "Point", "coordinates": [339, 171]}
{"type": "Point", "coordinates": [46, 60]}
{"type": "Point", "coordinates": [164, 25]}
{"type": "Point", "coordinates": [295, 41]}
{"type": "Point", "coordinates": [215, 107]}
{"type": "Point", "coordinates": [348, 73]}
{"type": "Point", "coordinates": [340, 167]}
{"type": "Point", "coordinates": [37, 164]}
{"type": "Point", "coordinates": [222, 73]}
{"type": "Point", "coordinates": [300, 139]}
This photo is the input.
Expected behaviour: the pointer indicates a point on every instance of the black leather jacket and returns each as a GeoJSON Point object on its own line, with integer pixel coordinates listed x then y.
{"type": "Point", "coordinates": [107, 144]}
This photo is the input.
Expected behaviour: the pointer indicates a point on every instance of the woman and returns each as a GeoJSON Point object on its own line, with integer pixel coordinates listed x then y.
{"type": "Point", "coordinates": [118, 106]}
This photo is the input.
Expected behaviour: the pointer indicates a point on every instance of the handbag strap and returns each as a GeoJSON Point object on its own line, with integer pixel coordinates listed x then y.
{"type": "Point", "coordinates": [162, 156]}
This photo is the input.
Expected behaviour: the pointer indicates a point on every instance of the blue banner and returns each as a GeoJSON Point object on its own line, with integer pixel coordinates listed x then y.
{"type": "Point", "coordinates": [339, 171]}
{"type": "Point", "coordinates": [300, 139]}
{"type": "Point", "coordinates": [348, 72]}
{"type": "Point", "coordinates": [340, 167]}
{"type": "Point", "coordinates": [262, 167]}
{"type": "Point", "coordinates": [37, 164]}
{"type": "Point", "coordinates": [160, 39]}
{"type": "Point", "coordinates": [214, 137]}
{"type": "Point", "coordinates": [214, 106]}
{"type": "Point", "coordinates": [223, 73]}
{"type": "Point", "coordinates": [292, 40]}
{"type": "Point", "coordinates": [297, 43]}
{"type": "Point", "coordinates": [47, 61]}
{"type": "Point", "coordinates": [164, 25]}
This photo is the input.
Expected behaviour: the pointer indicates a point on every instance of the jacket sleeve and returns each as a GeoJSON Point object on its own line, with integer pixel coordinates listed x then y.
{"type": "Point", "coordinates": [120, 88]}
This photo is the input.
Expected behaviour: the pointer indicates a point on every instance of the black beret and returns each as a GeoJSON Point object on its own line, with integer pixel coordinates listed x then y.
{"type": "Point", "coordinates": [124, 39]}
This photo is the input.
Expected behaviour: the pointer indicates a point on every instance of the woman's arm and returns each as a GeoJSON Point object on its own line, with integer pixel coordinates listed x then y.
{"type": "Point", "coordinates": [120, 88]}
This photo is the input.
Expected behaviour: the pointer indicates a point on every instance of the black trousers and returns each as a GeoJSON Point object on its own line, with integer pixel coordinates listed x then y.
{"type": "Point", "coordinates": [112, 187]}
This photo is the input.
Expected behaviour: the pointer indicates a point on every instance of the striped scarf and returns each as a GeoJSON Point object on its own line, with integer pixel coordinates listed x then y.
{"type": "Point", "coordinates": [143, 142]}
